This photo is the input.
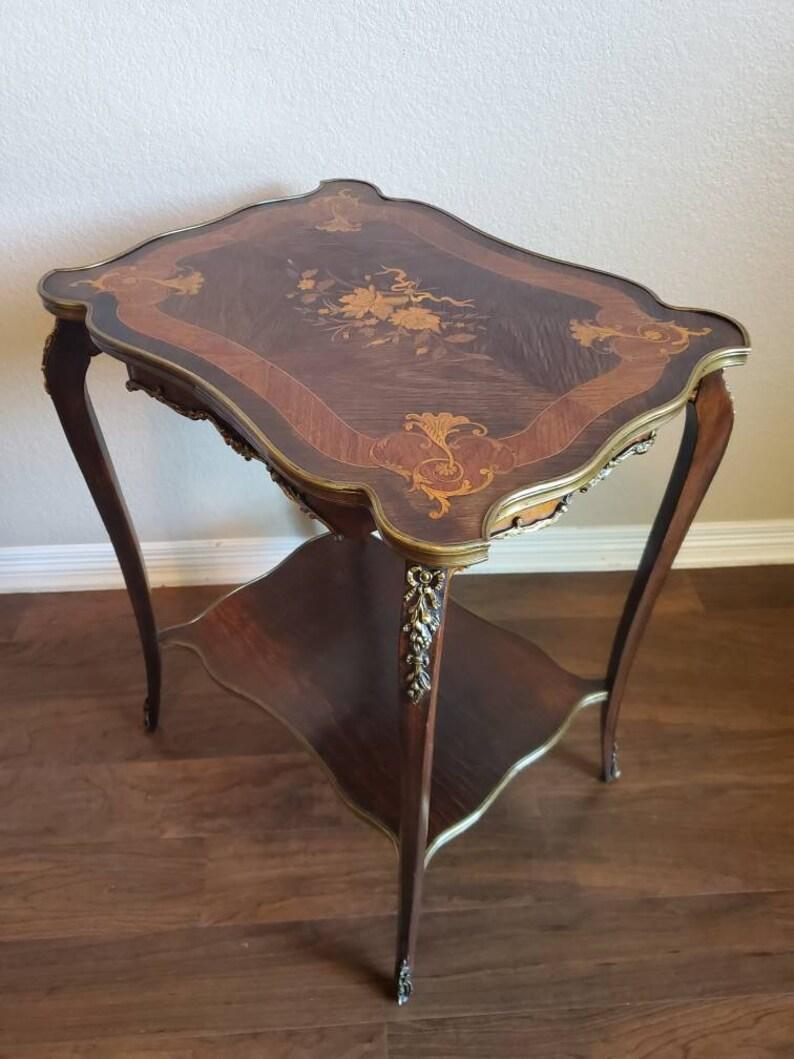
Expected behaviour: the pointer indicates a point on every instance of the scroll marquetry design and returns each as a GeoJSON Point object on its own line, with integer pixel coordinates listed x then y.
{"type": "Point", "coordinates": [443, 456]}
{"type": "Point", "coordinates": [126, 279]}
{"type": "Point", "coordinates": [343, 208]}
{"type": "Point", "coordinates": [634, 335]}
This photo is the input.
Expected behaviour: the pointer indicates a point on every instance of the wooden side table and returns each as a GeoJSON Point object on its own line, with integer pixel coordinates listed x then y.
{"type": "Point", "coordinates": [395, 369]}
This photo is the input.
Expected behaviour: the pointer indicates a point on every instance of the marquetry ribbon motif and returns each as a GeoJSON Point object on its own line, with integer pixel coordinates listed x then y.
{"type": "Point", "coordinates": [386, 307]}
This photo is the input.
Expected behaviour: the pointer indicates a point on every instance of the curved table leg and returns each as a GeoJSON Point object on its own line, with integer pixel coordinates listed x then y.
{"type": "Point", "coordinates": [66, 358]}
{"type": "Point", "coordinates": [421, 636]}
{"type": "Point", "coordinates": [709, 419]}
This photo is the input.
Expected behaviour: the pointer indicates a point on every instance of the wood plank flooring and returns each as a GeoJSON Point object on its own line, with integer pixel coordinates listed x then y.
{"type": "Point", "coordinates": [203, 894]}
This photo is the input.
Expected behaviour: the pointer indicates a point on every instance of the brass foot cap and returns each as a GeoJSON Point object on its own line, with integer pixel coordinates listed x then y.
{"type": "Point", "coordinates": [150, 717]}
{"type": "Point", "coordinates": [405, 984]}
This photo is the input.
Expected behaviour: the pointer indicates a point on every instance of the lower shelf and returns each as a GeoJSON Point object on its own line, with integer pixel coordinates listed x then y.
{"type": "Point", "coordinates": [314, 642]}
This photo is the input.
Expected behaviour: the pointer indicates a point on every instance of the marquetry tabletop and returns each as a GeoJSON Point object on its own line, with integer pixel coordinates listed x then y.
{"type": "Point", "coordinates": [395, 369]}
{"type": "Point", "coordinates": [382, 352]}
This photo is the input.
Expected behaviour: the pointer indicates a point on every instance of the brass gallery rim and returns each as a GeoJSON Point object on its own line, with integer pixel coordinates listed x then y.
{"type": "Point", "coordinates": [352, 492]}
{"type": "Point", "coordinates": [75, 309]}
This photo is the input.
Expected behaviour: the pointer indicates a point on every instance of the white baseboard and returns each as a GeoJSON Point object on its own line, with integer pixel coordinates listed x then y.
{"type": "Point", "coordinates": [73, 567]}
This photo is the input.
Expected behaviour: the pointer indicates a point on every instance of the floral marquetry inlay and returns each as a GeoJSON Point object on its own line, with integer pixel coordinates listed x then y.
{"type": "Point", "coordinates": [391, 357]}
{"type": "Point", "coordinates": [386, 307]}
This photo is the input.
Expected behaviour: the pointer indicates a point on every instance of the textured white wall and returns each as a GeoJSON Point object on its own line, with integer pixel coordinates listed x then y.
{"type": "Point", "coordinates": [652, 139]}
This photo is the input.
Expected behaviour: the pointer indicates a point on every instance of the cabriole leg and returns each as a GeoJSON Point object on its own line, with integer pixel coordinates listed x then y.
{"type": "Point", "coordinates": [709, 419]}
{"type": "Point", "coordinates": [421, 636]}
{"type": "Point", "coordinates": [66, 358]}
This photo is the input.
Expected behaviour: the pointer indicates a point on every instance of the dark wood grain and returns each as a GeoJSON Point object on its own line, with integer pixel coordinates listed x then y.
{"type": "Point", "coordinates": [67, 357]}
{"type": "Point", "coordinates": [753, 589]}
{"type": "Point", "coordinates": [740, 1028]}
{"type": "Point", "coordinates": [327, 1042]}
{"type": "Point", "coordinates": [111, 799]}
{"type": "Point", "coordinates": [390, 355]}
{"type": "Point", "coordinates": [331, 972]}
{"type": "Point", "coordinates": [709, 421]}
{"type": "Point", "coordinates": [215, 900]}
{"type": "Point", "coordinates": [421, 642]}
{"type": "Point", "coordinates": [315, 642]}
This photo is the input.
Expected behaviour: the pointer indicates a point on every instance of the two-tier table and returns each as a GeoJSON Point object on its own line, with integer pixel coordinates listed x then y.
{"type": "Point", "coordinates": [395, 369]}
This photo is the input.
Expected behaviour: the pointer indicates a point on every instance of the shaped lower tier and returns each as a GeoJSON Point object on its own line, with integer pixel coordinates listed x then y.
{"type": "Point", "coordinates": [314, 642]}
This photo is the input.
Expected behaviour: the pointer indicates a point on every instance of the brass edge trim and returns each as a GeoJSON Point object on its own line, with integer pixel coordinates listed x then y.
{"type": "Point", "coordinates": [513, 503]}
{"type": "Point", "coordinates": [590, 699]}
{"type": "Point", "coordinates": [247, 584]}
{"type": "Point", "coordinates": [461, 554]}
{"type": "Point", "coordinates": [593, 698]}
{"type": "Point", "coordinates": [451, 555]}
{"type": "Point", "coordinates": [385, 198]}
{"type": "Point", "coordinates": [362, 814]}
{"type": "Point", "coordinates": [534, 253]}
{"type": "Point", "coordinates": [517, 528]}
{"type": "Point", "coordinates": [75, 309]}
{"type": "Point", "coordinates": [637, 448]}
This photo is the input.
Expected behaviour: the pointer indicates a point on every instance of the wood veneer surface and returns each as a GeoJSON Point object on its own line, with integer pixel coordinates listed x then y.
{"type": "Point", "coordinates": [388, 347]}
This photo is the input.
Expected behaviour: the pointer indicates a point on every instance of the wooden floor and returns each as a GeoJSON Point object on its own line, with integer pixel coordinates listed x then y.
{"type": "Point", "coordinates": [202, 894]}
